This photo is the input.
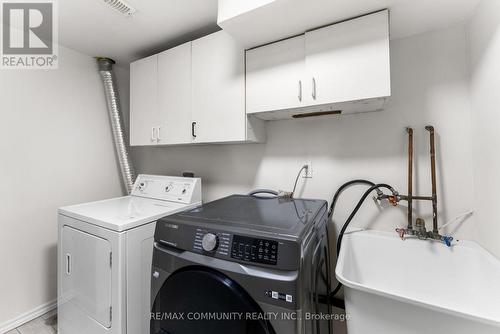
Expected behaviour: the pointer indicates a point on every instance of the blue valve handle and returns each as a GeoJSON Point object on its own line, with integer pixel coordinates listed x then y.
{"type": "Point", "coordinates": [447, 240]}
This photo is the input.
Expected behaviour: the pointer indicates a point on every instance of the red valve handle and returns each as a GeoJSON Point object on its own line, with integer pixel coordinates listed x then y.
{"type": "Point", "coordinates": [401, 232]}
{"type": "Point", "coordinates": [393, 200]}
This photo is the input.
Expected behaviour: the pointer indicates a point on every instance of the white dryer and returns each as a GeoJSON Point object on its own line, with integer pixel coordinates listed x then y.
{"type": "Point", "coordinates": [105, 253]}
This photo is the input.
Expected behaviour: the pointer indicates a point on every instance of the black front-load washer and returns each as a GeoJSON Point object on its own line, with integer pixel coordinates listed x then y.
{"type": "Point", "coordinates": [198, 311]}
{"type": "Point", "coordinates": [241, 265]}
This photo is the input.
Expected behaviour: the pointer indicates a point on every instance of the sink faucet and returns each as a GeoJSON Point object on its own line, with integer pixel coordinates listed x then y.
{"type": "Point", "coordinates": [421, 233]}
{"type": "Point", "coordinates": [420, 230]}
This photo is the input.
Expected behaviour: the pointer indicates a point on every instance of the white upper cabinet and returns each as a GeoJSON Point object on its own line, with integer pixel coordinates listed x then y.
{"type": "Point", "coordinates": [275, 75]}
{"type": "Point", "coordinates": [143, 101]}
{"type": "Point", "coordinates": [349, 61]}
{"type": "Point", "coordinates": [174, 95]}
{"type": "Point", "coordinates": [342, 68]}
{"type": "Point", "coordinates": [218, 89]}
{"type": "Point", "coordinates": [193, 93]}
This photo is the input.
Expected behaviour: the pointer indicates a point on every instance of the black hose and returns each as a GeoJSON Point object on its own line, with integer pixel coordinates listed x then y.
{"type": "Point", "coordinates": [351, 216]}
{"type": "Point", "coordinates": [356, 209]}
{"type": "Point", "coordinates": [332, 209]}
{"type": "Point", "coordinates": [335, 291]}
{"type": "Point", "coordinates": [342, 188]}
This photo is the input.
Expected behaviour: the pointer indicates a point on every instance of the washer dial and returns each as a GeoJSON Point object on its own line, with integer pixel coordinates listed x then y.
{"type": "Point", "coordinates": [210, 242]}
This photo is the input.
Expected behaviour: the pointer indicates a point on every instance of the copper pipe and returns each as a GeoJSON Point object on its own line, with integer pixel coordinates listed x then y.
{"type": "Point", "coordinates": [416, 198]}
{"type": "Point", "coordinates": [410, 177]}
{"type": "Point", "coordinates": [433, 178]}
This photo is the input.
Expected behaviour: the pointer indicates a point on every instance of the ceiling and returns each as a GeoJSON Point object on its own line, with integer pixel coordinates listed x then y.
{"type": "Point", "coordinates": [408, 17]}
{"type": "Point", "coordinates": [93, 28]}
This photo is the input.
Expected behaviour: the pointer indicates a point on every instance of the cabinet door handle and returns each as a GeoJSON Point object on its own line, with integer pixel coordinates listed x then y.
{"type": "Point", "coordinates": [193, 129]}
{"type": "Point", "coordinates": [314, 89]}
{"type": "Point", "coordinates": [68, 264]}
{"type": "Point", "coordinates": [153, 138]}
{"type": "Point", "coordinates": [300, 90]}
{"type": "Point", "coordinates": [159, 134]}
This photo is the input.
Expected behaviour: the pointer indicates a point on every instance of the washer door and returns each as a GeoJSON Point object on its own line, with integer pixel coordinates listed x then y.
{"type": "Point", "coordinates": [199, 299]}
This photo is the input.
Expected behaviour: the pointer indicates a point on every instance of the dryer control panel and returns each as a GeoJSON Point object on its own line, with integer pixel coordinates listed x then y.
{"type": "Point", "coordinates": [168, 188]}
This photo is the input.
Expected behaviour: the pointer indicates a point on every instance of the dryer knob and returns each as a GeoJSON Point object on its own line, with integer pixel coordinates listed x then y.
{"type": "Point", "coordinates": [210, 242]}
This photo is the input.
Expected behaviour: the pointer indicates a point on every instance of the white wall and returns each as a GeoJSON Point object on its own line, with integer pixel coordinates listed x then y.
{"type": "Point", "coordinates": [55, 149]}
{"type": "Point", "coordinates": [430, 86]}
{"type": "Point", "coordinates": [484, 35]}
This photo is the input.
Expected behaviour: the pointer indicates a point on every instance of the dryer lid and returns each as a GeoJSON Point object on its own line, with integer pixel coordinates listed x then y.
{"type": "Point", "coordinates": [123, 213]}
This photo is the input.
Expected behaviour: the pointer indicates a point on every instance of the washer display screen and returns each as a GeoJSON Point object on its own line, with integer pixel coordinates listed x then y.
{"type": "Point", "coordinates": [254, 250]}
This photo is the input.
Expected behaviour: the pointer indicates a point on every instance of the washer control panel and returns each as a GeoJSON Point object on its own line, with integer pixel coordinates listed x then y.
{"type": "Point", "coordinates": [254, 250]}
{"type": "Point", "coordinates": [226, 245]}
{"type": "Point", "coordinates": [211, 242]}
{"type": "Point", "coordinates": [242, 248]}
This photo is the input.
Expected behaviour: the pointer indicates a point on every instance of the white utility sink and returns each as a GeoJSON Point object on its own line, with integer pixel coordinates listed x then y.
{"type": "Point", "coordinates": [418, 286]}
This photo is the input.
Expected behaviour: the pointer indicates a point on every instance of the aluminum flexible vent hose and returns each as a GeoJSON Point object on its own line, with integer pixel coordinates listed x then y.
{"type": "Point", "coordinates": [113, 102]}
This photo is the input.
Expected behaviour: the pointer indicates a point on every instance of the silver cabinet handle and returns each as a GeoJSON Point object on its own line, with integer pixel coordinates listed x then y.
{"type": "Point", "coordinates": [153, 138]}
{"type": "Point", "coordinates": [159, 134]}
{"type": "Point", "coordinates": [68, 264]}
{"type": "Point", "coordinates": [300, 90]}
{"type": "Point", "coordinates": [314, 89]}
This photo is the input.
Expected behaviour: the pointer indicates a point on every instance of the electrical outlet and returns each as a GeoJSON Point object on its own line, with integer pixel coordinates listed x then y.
{"type": "Point", "coordinates": [308, 173]}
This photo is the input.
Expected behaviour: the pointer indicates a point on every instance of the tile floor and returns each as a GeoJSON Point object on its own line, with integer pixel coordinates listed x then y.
{"type": "Point", "coordinates": [46, 324]}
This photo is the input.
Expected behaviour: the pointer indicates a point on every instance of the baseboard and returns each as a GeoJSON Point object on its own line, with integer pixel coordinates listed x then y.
{"type": "Point", "coordinates": [26, 317]}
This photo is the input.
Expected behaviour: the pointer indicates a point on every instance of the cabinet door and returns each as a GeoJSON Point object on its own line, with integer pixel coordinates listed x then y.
{"type": "Point", "coordinates": [144, 101]}
{"type": "Point", "coordinates": [274, 76]}
{"type": "Point", "coordinates": [86, 277]}
{"type": "Point", "coordinates": [218, 79]}
{"type": "Point", "coordinates": [174, 95]}
{"type": "Point", "coordinates": [349, 61]}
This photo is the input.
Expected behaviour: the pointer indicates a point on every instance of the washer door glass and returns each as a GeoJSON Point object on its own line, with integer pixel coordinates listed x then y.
{"type": "Point", "coordinates": [202, 300]}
